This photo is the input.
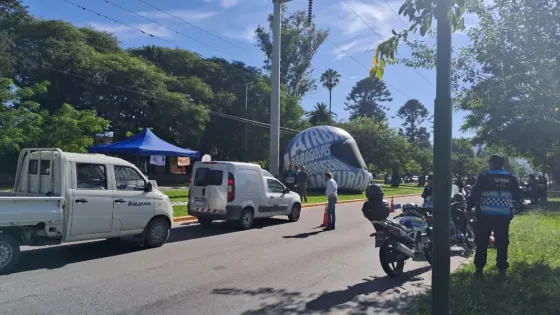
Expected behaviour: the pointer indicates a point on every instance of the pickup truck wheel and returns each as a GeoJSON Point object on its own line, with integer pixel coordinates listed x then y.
{"type": "Point", "coordinates": [9, 253]}
{"type": "Point", "coordinates": [294, 215]}
{"type": "Point", "coordinates": [246, 219]}
{"type": "Point", "coordinates": [157, 232]}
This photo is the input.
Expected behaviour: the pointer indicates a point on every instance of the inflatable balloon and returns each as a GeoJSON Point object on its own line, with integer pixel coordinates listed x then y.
{"type": "Point", "coordinates": [322, 149]}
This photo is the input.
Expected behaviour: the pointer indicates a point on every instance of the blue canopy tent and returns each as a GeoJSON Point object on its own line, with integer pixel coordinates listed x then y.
{"type": "Point", "coordinates": [144, 143]}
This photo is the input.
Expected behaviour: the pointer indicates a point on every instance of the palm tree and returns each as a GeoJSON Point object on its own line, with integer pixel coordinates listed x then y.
{"type": "Point", "coordinates": [320, 115]}
{"type": "Point", "coordinates": [330, 79]}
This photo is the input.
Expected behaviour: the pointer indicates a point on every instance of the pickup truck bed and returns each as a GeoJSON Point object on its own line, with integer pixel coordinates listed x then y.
{"type": "Point", "coordinates": [30, 210]}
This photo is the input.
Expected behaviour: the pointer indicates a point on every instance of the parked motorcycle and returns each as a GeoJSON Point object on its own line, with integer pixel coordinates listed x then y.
{"type": "Point", "coordinates": [398, 242]}
{"type": "Point", "coordinates": [462, 222]}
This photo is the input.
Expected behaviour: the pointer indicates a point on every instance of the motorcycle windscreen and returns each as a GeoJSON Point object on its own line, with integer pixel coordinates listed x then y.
{"type": "Point", "coordinates": [348, 153]}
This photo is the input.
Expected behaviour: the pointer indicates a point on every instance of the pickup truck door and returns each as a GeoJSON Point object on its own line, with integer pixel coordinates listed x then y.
{"type": "Point", "coordinates": [92, 200]}
{"type": "Point", "coordinates": [134, 207]}
{"type": "Point", "coordinates": [277, 201]}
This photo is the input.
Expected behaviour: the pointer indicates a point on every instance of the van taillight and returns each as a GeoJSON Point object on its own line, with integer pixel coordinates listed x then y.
{"type": "Point", "coordinates": [230, 188]}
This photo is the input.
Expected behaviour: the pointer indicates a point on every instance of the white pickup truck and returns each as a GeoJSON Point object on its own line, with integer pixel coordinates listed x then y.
{"type": "Point", "coordinates": [65, 197]}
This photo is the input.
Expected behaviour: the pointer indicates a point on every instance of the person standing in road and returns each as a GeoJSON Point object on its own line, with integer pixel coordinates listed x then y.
{"type": "Point", "coordinates": [332, 198]}
{"type": "Point", "coordinates": [302, 178]}
{"type": "Point", "coordinates": [493, 195]}
{"type": "Point", "coordinates": [427, 193]}
{"type": "Point", "coordinates": [290, 178]}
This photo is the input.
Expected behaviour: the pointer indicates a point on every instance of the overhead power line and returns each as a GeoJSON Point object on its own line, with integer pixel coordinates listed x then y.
{"type": "Point", "coordinates": [223, 115]}
{"type": "Point", "coordinates": [358, 62]}
{"type": "Point", "coordinates": [141, 31]}
{"type": "Point", "coordinates": [188, 23]}
{"type": "Point", "coordinates": [379, 35]}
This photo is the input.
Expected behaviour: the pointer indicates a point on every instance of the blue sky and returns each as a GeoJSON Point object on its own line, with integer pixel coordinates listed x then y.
{"type": "Point", "coordinates": [232, 24]}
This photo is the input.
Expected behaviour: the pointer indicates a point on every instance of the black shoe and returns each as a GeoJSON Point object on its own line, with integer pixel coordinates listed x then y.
{"type": "Point", "coordinates": [328, 228]}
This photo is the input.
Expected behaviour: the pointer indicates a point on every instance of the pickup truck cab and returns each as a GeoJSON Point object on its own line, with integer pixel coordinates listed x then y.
{"type": "Point", "coordinates": [65, 197]}
{"type": "Point", "coordinates": [241, 192]}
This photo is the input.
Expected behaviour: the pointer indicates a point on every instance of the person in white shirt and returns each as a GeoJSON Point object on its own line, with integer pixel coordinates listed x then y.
{"type": "Point", "coordinates": [332, 197]}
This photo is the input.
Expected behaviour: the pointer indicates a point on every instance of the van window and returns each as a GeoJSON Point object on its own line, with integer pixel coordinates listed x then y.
{"type": "Point", "coordinates": [208, 177]}
{"type": "Point", "coordinates": [91, 176]}
{"type": "Point", "coordinates": [128, 179]}
{"type": "Point", "coordinates": [275, 186]}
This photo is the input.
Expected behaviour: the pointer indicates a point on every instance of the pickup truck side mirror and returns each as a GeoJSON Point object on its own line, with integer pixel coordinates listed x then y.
{"type": "Point", "coordinates": [149, 187]}
{"type": "Point", "coordinates": [286, 190]}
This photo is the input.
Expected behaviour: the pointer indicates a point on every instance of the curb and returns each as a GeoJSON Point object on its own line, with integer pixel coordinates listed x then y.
{"type": "Point", "coordinates": [191, 219]}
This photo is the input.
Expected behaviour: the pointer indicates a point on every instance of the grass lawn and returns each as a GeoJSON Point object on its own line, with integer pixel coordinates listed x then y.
{"type": "Point", "coordinates": [177, 195]}
{"type": "Point", "coordinates": [533, 284]}
{"type": "Point", "coordinates": [405, 189]}
{"type": "Point", "coordinates": [180, 211]}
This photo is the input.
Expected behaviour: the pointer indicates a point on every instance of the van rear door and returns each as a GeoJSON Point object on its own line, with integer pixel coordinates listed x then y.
{"type": "Point", "coordinates": [209, 187]}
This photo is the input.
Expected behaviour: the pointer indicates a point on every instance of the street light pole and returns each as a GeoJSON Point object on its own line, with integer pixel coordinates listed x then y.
{"type": "Point", "coordinates": [275, 95]}
{"type": "Point", "coordinates": [246, 98]}
{"type": "Point", "coordinates": [443, 114]}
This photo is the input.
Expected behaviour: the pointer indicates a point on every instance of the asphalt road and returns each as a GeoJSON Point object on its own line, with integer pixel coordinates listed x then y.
{"type": "Point", "coordinates": [277, 268]}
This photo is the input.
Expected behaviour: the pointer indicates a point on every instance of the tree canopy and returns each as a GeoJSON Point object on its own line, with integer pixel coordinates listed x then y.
{"type": "Point", "coordinates": [300, 41]}
{"type": "Point", "coordinates": [366, 99]}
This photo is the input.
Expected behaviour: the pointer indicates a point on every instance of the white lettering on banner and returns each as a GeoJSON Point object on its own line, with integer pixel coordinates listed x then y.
{"type": "Point", "coordinates": [327, 135]}
{"type": "Point", "coordinates": [298, 146]}
{"type": "Point", "coordinates": [359, 180]}
{"type": "Point", "coordinates": [351, 178]}
{"type": "Point", "coordinates": [315, 137]}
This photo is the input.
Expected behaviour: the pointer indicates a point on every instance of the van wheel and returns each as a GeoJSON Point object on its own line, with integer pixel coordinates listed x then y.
{"type": "Point", "coordinates": [246, 219]}
{"type": "Point", "coordinates": [157, 232]}
{"type": "Point", "coordinates": [294, 215]}
{"type": "Point", "coordinates": [9, 253]}
{"type": "Point", "coordinates": [205, 221]}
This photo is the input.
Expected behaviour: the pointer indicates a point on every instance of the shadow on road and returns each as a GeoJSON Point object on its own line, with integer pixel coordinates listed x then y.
{"type": "Point", "coordinates": [59, 256]}
{"type": "Point", "coordinates": [194, 231]}
{"type": "Point", "coordinates": [355, 299]}
{"type": "Point", "coordinates": [304, 235]}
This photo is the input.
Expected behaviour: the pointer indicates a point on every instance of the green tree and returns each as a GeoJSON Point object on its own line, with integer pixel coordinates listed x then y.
{"type": "Point", "coordinates": [300, 42]}
{"type": "Point", "coordinates": [379, 145]}
{"type": "Point", "coordinates": [415, 114]}
{"type": "Point", "coordinates": [23, 123]}
{"type": "Point", "coordinates": [320, 115]}
{"type": "Point", "coordinates": [330, 79]}
{"type": "Point", "coordinates": [366, 98]}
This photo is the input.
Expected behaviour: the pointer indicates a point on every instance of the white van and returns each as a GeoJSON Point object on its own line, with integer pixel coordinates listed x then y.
{"type": "Point", "coordinates": [66, 197]}
{"type": "Point", "coordinates": [242, 192]}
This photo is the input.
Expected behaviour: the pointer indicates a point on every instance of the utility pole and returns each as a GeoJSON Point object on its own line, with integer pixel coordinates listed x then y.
{"type": "Point", "coordinates": [246, 118]}
{"type": "Point", "coordinates": [275, 95]}
{"type": "Point", "coordinates": [443, 114]}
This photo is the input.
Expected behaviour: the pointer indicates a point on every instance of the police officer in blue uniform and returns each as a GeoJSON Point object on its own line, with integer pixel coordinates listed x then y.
{"type": "Point", "coordinates": [493, 194]}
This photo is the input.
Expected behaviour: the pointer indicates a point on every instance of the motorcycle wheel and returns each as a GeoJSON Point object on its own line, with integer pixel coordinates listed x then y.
{"type": "Point", "coordinates": [392, 266]}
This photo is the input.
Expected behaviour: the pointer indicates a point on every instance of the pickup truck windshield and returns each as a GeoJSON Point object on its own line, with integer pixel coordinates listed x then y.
{"type": "Point", "coordinates": [207, 177]}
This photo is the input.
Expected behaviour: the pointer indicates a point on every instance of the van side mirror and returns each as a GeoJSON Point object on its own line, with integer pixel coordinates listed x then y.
{"type": "Point", "coordinates": [149, 187]}
{"type": "Point", "coordinates": [286, 190]}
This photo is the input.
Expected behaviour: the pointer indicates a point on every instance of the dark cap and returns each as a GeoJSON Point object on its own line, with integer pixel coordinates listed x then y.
{"type": "Point", "coordinates": [495, 158]}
